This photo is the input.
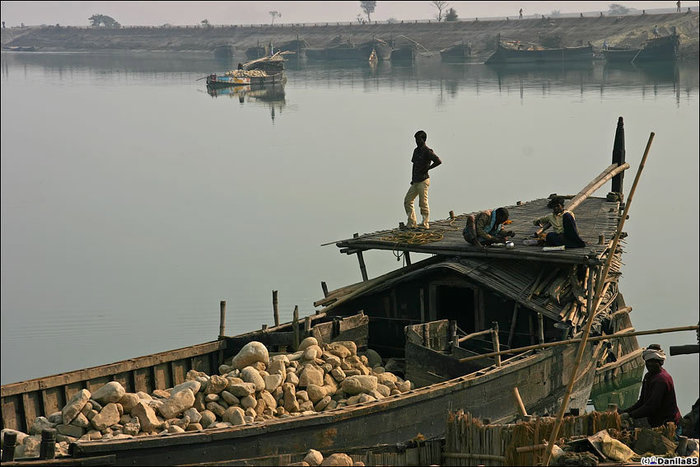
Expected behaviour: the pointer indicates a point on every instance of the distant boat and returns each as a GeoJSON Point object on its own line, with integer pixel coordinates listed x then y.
{"type": "Point", "coordinates": [406, 53]}
{"type": "Point", "coordinates": [346, 50]}
{"type": "Point", "coordinates": [657, 48]}
{"type": "Point", "coordinates": [512, 52]}
{"type": "Point", "coordinates": [456, 53]}
{"type": "Point", "coordinates": [20, 48]}
{"type": "Point", "coordinates": [245, 78]}
{"type": "Point", "coordinates": [223, 51]}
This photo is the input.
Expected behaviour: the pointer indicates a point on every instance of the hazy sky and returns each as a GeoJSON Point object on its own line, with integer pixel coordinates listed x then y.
{"type": "Point", "coordinates": [181, 13]}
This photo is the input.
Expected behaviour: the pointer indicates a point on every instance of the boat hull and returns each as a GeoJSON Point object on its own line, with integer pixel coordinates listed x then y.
{"type": "Point", "coordinates": [217, 81]}
{"type": "Point", "coordinates": [657, 49]}
{"type": "Point", "coordinates": [387, 421]}
{"type": "Point", "coordinates": [565, 54]}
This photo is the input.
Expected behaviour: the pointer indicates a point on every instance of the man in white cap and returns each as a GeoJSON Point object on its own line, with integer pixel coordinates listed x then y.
{"type": "Point", "coordinates": [657, 401]}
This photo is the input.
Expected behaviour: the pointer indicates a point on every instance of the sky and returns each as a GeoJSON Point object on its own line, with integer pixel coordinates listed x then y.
{"type": "Point", "coordinates": [141, 13]}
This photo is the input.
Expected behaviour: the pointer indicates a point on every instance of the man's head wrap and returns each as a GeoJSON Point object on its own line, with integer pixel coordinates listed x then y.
{"type": "Point", "coordinates": [653, 353]}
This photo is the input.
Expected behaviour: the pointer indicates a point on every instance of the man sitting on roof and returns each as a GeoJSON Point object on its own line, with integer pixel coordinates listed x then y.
{"type": "Point", "coordinates": [564, 224]}
{"type": "Point", "coordinates": [486, 227]}
{"type": "Point", "coordinates": [657, 401]}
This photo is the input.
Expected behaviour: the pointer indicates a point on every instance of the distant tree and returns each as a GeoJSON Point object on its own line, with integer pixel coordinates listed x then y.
{"type": "Point", "coordinates": [205, 23]}
{"type": "Point", "coordinates": [617, 9]}
{"type": "Point", "coordinates": [103, 20]}
{"type": "Point", "coordinates": [275, 14]}
{"type": "Point", "coordinates": [368, 8]}
{"type": "Point", "coordinates": [555, 13]}
{"type": "Point", "coordinates": [392, 20]}
{"type": "Point", "coordinates": [3, 25]}
{"type": "Point", "coordinates": [451, 15]}
{"type": "Point", "coordinates": [359, 19]}
{"type": "Point", "coordinates": [440, 5]}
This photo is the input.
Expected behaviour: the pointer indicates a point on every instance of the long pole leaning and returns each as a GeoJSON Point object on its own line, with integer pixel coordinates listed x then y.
{"type": "Point", "coordinates": [598, 299]}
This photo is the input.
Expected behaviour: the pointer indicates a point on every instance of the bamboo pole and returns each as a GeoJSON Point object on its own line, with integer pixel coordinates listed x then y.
{"type": "Point", "coordinates": [474, 334]}
{"type": "Point", "coordinates": [598, 298]}
{"type": "Point", "coordinates": [593, 186]}
{"type": "Point", "coordinates": [577, 340]}
{"type": "Point", "coordinates": [519, 401]}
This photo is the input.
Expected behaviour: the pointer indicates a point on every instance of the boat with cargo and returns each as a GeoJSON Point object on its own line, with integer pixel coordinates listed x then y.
{"type": "Point", "coordinates": [488, 330]}
{"type": "Point", "coordinates": [515, 52]}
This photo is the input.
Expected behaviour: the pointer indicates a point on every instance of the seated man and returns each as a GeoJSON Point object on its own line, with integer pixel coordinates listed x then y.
{"type": "Point", "coordinates": [564, 225]}
{"type": "Point", "coordinates": [657, 401]}
{"type": "Point", "coordinates": [486, 227]}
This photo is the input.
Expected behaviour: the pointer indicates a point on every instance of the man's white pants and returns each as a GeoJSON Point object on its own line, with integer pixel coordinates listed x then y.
{"type": "Point", "coordinates": [419, 189]}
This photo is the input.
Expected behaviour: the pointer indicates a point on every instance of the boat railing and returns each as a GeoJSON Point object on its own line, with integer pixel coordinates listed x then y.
{"type": "Point", "coordinates": [492, 332]}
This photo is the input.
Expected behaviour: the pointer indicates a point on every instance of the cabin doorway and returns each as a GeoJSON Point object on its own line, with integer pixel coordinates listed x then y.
{"type": "Point", "coordinates": [454, 303]}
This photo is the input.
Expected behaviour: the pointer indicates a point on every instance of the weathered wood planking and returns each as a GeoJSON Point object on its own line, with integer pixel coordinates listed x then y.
{"type": "Point", "coordinates": [24, 401]}
{"type": "Point", "coordinates": [595, 216]}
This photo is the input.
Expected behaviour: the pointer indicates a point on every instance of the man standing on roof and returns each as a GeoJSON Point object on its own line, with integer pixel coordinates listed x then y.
{"type": "Point", "coordinates": [486, 228]}
{"type": "Point", "coordinates": [423, 160]}
{"type": "Point", "coordinates": [564, 224]}
{"type": "Point", "coordinates": [657, 401]}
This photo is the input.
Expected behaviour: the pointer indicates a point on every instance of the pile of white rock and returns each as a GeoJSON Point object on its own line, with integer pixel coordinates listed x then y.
{"type": "Point", "coordinates": [314, 457]}
{"type": "Point", "coordinates": [252, 387]}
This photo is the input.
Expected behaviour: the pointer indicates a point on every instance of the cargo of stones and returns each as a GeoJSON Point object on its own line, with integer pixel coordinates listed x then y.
{"type": "Point", "coordinates": [253, 386]}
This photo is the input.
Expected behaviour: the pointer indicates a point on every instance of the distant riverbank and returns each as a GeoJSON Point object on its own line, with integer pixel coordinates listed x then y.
{"type": "Point", "coordinates": [483, 35]}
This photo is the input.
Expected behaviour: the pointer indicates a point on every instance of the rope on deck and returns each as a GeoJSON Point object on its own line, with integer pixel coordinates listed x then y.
{"type": "Point", "coordinates": [420, 236]}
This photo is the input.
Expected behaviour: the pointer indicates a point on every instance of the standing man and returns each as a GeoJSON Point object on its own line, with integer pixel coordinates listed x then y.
{"type": "Point", "coordinates": [423, 160]}
{"type": "Point", "coordinates": [657, 401]}
{"type": "Point", "coordinates": [521, 13]}
{"type": "Point", "coordinates": [678, 6]}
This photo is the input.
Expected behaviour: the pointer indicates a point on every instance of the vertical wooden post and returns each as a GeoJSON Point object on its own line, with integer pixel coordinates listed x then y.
{"type": "Point", "coordinates": [324, 287]}
{"type": "Point", "coordinates": [618, 155]}
{"type": "Point", "coordinates": [513, 320]}
{"type": "Point", "coordinates": [307, 326]}
{"type": "Point", "coordinates": [540, 328]}
{"type": "Point", "coordinates": [276, 307]}
{"type": "Point", "coordinates": [495, 341]}
{"type": "Point", "coordinates": [477, 292]}
{"type": "Point", "coordinates": [407, 257]}
{"type": "Point", "coordinates": [422, 305]}
{"type": "Point", "coordinates": [295, 326]}
{"type": "Point", "coordinates": [8, 446]}
{"type": "Point", "coordinates": [361, 260]}
{"type": "Point", "coordinates": [453, 334]}
{"type": "Point", "coordinates": [222, 319]}
{"type": "Point", "coordinates": [532, 328]}
{"type": "Point", "coordinates": [47, 449]}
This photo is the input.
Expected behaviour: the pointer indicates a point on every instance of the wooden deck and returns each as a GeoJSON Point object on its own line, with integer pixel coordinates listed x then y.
{"type": "Point", "coordinates": [594, 217]}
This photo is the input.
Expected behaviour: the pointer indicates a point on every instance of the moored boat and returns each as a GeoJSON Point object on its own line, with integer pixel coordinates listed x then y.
{"type": "Point", "coordinates": [654, 49]}
{"type": "Point", "coordinates": [456, 53]}
{"type": "Point", "coordinates": [467, 326]}
{"type": "Point", "coordinates": [512, 52]}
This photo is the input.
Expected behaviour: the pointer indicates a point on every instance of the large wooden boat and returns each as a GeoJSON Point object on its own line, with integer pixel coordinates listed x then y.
{"type": "Point", "coordinates": [513, 52]}
{"type": "Point", "coordinates": [347, 50]}
{"type": "Point", "coordinates": [459, 324]}
{"type": "Point", "coordinates": [457, 53]}
{"type": "Point", "coordinates": [654, 49]}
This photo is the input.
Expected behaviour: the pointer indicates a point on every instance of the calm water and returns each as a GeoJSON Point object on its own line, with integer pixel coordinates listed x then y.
{"type": "Point", "coordinates": [133, 201]}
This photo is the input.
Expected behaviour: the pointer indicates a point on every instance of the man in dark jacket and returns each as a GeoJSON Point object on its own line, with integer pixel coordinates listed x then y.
{"type": "Point", "coordinates": [657, 401]}
{"type": "Point", "coordinates": [423, 160]}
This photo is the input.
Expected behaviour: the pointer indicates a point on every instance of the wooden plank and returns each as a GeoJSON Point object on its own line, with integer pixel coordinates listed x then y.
{"type": "Point", "coordinates": [179, 370]}
{"type": "Point", "coordinates": [201, 363]}
{"type": "Point", "coordinates": [111, 369]}
{"type": "Point", "coordinates": [125, 380]}
{"type": "Point", "coordinates": [69, 390]}
{"type": "Point", "coordinates": [93, 385]}
{"type": "Point", "coordinates": [143, 380]}
{"type": "Point", "coordinates": [53, 399]}
{"type": "Point", "coordinates": [12, 413]}
{"type": "Point", "coordinates": [162, 377]}
{"type": "Point", "coordinates": [32, 404]}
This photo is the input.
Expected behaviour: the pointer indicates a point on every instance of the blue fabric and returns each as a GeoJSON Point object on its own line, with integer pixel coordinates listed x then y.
{"type": "Point", "coordinates": [493, 222]}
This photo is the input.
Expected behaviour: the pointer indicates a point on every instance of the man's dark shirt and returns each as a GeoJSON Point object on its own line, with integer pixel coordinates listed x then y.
{"type": "Point", "coordinates": [422, 157]}
{"type": "Point", "coordinates": [657, 400]}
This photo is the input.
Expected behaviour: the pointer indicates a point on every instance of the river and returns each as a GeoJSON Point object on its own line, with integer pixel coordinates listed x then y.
{"type": "Point", "coordinates": [133, 201]}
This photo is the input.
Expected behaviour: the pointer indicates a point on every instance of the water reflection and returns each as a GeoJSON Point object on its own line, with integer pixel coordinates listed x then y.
{"type": "Point", "coordinates": [653, 79]}
{"type": "Point", "coordinates": [272, 96]}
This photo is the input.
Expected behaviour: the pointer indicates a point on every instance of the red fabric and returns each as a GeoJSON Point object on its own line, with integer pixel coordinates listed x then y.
{"type": "Point", "coordinates": [657, 401]}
